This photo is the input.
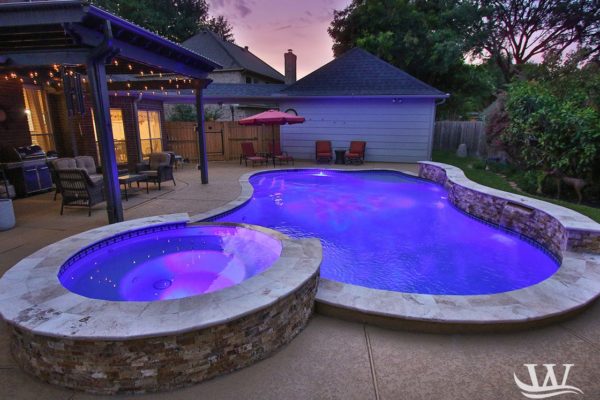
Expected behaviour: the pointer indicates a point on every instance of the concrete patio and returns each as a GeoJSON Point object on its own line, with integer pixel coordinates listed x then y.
{"type": "Point", "coordinates": [330, 359]}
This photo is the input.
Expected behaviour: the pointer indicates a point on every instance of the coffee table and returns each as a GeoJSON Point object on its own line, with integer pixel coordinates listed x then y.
{"type": "Point", "coordinates": [127, 180]}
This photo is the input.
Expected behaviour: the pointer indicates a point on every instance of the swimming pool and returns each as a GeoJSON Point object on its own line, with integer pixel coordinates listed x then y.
{"type": "Point", "coordinates": [387, 230]}
{"type": "Point", "coordinates": [169, 264]}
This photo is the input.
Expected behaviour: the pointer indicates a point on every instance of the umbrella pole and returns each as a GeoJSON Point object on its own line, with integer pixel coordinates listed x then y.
{"type": "Point", "coordinates": [273, 139]}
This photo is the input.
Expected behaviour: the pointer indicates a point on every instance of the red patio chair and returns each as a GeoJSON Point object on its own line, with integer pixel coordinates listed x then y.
{"type": "Point", "coordinates": [323, 150]}
{"type": "Point", "coordinates": [356, 153]}
{"type": "Point", "coordinates": [279, 155]}
{"type": "Point", "coordinates": [248, 153]}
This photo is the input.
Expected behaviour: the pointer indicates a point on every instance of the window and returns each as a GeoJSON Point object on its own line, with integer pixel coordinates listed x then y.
{"type": "Point", "coordinates": [150, 133]}
{"type": "Point", "coordinates": [38, 118]}
{"type": "Point", "coordinates": [118, 128]}
{"type": "Point", "coordinates": [248, 79]}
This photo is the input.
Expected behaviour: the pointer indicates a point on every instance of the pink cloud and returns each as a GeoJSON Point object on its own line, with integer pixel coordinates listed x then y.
{"type": "Point", "coordinates": [270, 27]}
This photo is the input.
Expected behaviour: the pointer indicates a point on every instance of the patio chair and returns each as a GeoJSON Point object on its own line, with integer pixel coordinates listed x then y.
{"type": "Point", "coordinates": [248, 153]}
{"type": "Point", "coordinates": [88, 163]}
{"type": "Point", "coordinates": [356, 153]}
{"type": "Point", "coordinates": [323, 151]}
{"type": "Point", "coordinates": [279, 155]}
{"type": "Point", "coordinates": [77, 189]}
{"type": "Point", "coordinates": [158, 168]}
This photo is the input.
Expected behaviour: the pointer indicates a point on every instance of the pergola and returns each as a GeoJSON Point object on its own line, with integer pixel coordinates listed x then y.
{"type": "Point", "coordinates": [47, 42]}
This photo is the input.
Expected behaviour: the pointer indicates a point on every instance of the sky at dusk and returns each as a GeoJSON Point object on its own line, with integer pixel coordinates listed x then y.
{"type": "Point", "coordinates": [270, 27]}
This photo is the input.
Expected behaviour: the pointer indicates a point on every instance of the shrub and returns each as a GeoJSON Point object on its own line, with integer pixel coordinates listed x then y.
{"type": "Point", "coordinates": [551, 131]}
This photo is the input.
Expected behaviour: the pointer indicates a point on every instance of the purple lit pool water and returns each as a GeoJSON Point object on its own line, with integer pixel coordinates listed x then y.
{"type": "Point", "coordinates": [171, 264]}
{"type": "Point", "coordinates": [390, 231]}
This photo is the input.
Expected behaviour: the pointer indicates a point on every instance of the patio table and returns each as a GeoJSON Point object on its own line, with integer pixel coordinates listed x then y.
{"type": "Point", "coordinates": [127, 180]}
{"type": "Point", "coordinates": [339, 156]}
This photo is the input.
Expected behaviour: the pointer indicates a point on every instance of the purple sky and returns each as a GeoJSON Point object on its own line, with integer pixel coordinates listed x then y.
{"type": "Point", "coordinates": [270, 27]}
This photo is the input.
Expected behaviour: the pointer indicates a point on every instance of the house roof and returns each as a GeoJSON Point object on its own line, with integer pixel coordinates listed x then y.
{"type": "Point", "coordinates": [360, 73]}
{"type": "Point", "coordinates": [243, 89]}
{"type": "Point", "coordinates": [230, 55]}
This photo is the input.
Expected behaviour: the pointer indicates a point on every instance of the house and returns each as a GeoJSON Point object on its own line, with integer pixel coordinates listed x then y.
{"type": "Point", "coordinates": [357, 96]}
{"type": "Point", "coordinates": [239, 66]}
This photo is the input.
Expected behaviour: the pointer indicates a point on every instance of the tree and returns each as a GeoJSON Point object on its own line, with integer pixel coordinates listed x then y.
{"type": "Point", "coordinates": [221, 27]}
{"type": "Point", "coordinates": [554, 122]}
{"type": "Point", "coordinates": [427, 39]}
{"type": "Point", "coordinates": [518, 32]}
{"type": "Point", "coordinates": [177, 20]}
{"type": "Point", "coordinates": [182, 113]}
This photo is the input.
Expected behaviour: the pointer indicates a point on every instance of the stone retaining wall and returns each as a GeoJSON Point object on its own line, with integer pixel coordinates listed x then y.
{"type": "Point", "coordinates": [167, 362]}
{"type": "Point", "coordinates": [528, 221]}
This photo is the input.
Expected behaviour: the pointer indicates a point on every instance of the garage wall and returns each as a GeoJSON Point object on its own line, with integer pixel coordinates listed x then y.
{"type": "Point", "coordinates": [394, 132]}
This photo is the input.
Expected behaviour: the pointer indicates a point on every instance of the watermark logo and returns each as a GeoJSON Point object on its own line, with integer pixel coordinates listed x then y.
{"type": "Point", "coordinates": [550, 386]}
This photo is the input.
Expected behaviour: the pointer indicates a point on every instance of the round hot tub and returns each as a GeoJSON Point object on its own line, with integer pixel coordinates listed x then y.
{"type": "Point", "coordinates": [153, 265]}
{"type": "Point", "coordinates": [156, 304]}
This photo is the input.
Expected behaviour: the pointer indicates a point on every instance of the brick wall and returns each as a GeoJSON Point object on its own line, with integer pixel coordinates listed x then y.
{"type": "Point", "coordinates": [14, 131]}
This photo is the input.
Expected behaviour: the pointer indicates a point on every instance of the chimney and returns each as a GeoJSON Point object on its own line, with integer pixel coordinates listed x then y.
{"type": "Point", "coordinates": [290, 67]}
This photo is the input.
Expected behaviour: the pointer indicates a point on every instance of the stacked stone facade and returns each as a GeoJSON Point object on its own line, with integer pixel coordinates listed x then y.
{"type": "Point", "coordinates": [530, 222]}
{"type": "Point", "coordinates": [165, 362]}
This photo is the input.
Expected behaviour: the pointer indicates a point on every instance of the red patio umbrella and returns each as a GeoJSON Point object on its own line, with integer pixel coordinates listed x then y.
{"type": "Point", "coordinates": [272, 117]}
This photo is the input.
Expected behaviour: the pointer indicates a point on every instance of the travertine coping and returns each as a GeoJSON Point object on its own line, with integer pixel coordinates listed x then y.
{"type": "Point", "coordinates": [575, 285]}
{"type": "Point", "coordinates": [33, 299]}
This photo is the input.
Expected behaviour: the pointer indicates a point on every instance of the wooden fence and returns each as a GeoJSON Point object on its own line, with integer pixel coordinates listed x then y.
{"type": "Point", "coordinates": [449, 134]}
{"type": "Point", "coordinates": [222, 139]}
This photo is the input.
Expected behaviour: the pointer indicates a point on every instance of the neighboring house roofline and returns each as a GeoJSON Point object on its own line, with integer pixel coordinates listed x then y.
{"type": "Point", "coordinates": [234, 54]}
{"type": "Point", "coordinates": [189, 98]}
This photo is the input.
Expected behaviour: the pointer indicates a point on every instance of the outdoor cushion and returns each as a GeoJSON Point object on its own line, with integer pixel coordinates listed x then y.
{"type": "Point", "coordinates": [159, 159]}
{"type": "Point", "coordinates": [87, 163]}
{"type": "Point", "coordinates": [64, 163]}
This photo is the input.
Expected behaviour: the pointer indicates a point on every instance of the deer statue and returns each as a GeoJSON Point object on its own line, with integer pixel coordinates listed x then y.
{"type": "Point", "coordinates": [576, 183]}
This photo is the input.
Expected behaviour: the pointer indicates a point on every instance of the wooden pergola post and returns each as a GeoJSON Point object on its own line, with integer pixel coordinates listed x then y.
{"type": "Point", "coordinates": [199, 85]}
{"type": "Point", "coordinates": [96, 71]}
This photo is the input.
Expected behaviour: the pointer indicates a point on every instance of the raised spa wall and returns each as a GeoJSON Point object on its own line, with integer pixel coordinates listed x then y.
{"type": "Point", "coordinates": [165, 362]}
{"type": "Point", "coordinates": [109, 347]}
{"type": "Point", "coordinates": [564, 230]}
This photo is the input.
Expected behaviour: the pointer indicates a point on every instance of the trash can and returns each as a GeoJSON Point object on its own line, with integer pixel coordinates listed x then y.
{"type": "Point", "coordinates": [7, 214]}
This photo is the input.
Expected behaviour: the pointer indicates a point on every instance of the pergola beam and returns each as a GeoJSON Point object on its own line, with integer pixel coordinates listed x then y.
{"type": "Point", "coordinates": [91, 37]}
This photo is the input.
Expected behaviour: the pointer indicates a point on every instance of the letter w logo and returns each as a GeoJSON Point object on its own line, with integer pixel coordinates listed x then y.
{"type": "Point", "coordinates": [550, 386]}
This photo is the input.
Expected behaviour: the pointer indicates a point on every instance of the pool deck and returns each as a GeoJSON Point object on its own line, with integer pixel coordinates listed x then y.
{"type": "Point", "coordinates": [330, 359]}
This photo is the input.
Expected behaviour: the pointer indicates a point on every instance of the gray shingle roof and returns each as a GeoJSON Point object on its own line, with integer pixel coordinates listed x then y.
{"type": "Point", "coordinates": [229, 55]}
{"type": "Point", "coordinates": [359, 73]}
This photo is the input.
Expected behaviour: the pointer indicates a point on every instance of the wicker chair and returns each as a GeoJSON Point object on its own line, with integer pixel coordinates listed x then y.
{"type": "Point", "coordinates": [158, 168]}
{"type": "Point", "coordinates": [77, 189]}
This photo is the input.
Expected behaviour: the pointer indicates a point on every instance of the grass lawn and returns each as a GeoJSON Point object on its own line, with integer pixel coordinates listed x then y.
{"type": "Point", "coordinates": [496, 181]}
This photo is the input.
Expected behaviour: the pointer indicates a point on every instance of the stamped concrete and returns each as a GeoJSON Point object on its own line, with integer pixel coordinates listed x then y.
{"type": "Point", "coordinates": [330, 359]}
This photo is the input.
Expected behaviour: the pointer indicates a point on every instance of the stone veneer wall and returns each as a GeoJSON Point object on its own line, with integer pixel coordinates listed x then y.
{"type": "Point", "coordinates": [166, 362]}
{"type": "Point", "coordinates": [530, 222]}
